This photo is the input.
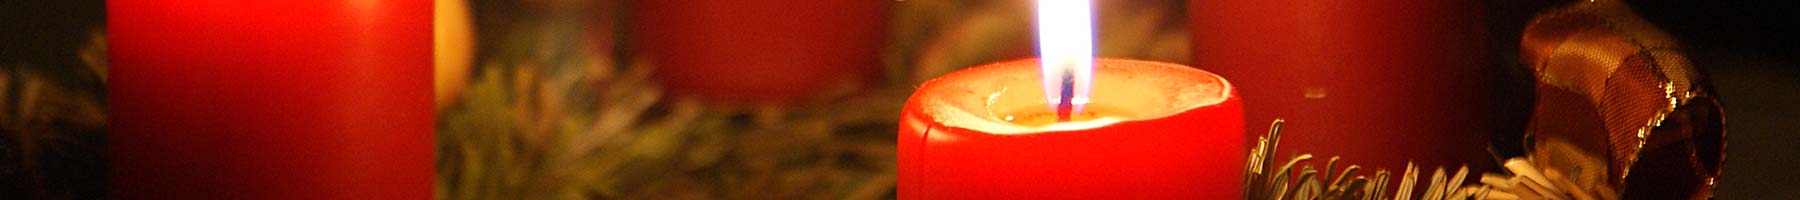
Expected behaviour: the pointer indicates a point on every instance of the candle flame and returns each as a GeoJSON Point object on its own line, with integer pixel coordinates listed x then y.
{"type": "Point", "coordinates": [1066, 45]}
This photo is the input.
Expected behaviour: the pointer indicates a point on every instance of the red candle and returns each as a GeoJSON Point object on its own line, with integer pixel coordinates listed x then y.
{"type": "Point", "coordinates": [270, 99]}
{"type": "Point", "coordinates": [1379, 82]}
{"type": "Point", "coordinates": [761, 52]}
{"type": "Point", "coordinates": [1150, 130]}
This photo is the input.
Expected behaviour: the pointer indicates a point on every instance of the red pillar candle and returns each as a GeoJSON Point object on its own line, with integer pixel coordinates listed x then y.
{"type": "Point", "coordinates": [270, 99]}
{"type": "Point", "coordinates": [1150, 130]}
{"type": "Point", "coordinates": [1378, 82]}
{"type": "Point", "coordinates": [761, 52]}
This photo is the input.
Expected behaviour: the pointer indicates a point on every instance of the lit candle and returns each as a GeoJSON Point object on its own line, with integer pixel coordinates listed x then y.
{"type": "Point", "coordinates": [1152, 130]}
{"type": "Point", "coordinates": [270, 99]}
{"type": "Point", "coordinates": [1069, 126]}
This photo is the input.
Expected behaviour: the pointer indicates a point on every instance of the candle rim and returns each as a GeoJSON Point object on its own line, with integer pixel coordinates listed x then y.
{"type": "Point", "coordinates": [936, 106]}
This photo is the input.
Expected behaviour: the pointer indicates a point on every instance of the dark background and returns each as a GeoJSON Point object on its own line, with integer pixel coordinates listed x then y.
{"type": "Point", "coordinates": [40, 157]}
{"type": "Point", "coordinates": [1747, 47]}
{"type": "Point", "coordinates": [46, 35]}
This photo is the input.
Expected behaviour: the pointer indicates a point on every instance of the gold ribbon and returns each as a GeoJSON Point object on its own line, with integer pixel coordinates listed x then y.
{"type": "Point", "coordinates": [1627, 80]}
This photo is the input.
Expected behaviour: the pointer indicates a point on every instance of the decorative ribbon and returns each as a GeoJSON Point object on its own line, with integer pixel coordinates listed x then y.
{"type": "Point", "coordinates": [1616, 99]}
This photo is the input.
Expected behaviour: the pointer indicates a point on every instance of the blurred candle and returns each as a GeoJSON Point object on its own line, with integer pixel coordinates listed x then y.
{"type": "Point", "coordinates": [1379, 82]}
{"type": "Point", "coordinates": [270, 99]}
{"type": "Point", "coordinates": [761, 52]}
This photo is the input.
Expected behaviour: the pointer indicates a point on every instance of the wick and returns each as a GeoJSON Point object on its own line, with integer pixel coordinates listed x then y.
{"type": "Point", "coordinates": [1067, 105]}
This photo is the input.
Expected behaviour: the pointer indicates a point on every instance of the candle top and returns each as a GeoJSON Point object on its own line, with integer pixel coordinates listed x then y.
{"type": "Point", "coordinates": [979, 98]}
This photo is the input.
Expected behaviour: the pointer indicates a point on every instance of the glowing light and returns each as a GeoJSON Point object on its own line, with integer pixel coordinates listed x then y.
{"type": "Point", "coordinates": [1066, 47]}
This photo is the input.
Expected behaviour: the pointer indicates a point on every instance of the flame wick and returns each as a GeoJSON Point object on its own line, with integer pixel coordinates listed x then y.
{"type": "Point", "coordinates": [1066, 45]}
{"type": "Point", "coordinates": [1067, 107]}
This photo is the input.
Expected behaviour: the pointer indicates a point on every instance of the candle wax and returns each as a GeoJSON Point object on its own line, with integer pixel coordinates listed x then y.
{"type": "Point", "coordinates": [1040, 117]}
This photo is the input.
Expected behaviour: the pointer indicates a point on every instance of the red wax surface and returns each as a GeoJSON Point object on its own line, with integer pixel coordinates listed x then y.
{"type": "Point", "coordinates": [270, 99]}
{"type": "Point", "coordinates": [761, 52]}
{"type": "Point", "coordinates": [1378, 82]}
{"type": "Point", "coordinates": [950, 147]}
